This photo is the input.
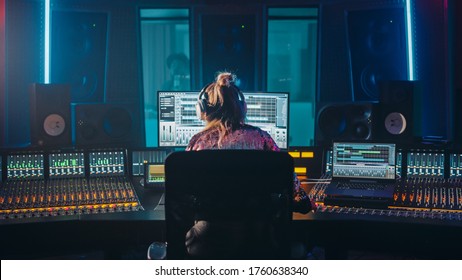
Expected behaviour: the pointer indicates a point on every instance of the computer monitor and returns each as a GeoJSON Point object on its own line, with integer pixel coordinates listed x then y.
{"type": "Point", "coordinates": [364, 160]}
{"type": "Point", "coordinates": [178, 121]}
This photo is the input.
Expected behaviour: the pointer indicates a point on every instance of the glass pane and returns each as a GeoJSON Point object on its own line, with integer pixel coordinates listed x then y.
{"type": "Point", "coordinates": [293, 12]}
{"type": "Point", "coordinates": [292, 67]}
{"type": "Point", "coordinates": [166, 65]}
{"type": "Point", "coordinates": [162, 13]}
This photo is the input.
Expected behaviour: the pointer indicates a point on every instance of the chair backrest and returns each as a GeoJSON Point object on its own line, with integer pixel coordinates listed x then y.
{"type": "Point", "coordinates": [228, 204]}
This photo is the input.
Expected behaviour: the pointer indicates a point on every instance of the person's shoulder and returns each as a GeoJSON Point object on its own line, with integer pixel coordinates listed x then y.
{"type": "Point", "coordinates": [269, 142]}
{"type": "Point", "coordinates": [250, 127]}
{"type": "Point", "coordinates": [193, 140]}
{"type": "Point", "coordinates": [205, 138]}
{"type": "Point", "coordinates": [256, 129]}
{"type": "Point", "coordinates": [198, 135]}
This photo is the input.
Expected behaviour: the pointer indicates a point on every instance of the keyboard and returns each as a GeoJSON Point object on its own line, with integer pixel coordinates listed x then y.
{"type": "Point", "coordinates": [361, 186]}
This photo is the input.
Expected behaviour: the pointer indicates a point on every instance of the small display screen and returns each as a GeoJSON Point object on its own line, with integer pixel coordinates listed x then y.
{"type": "Point", "coordinates": [23, 166]}
{"type": "Point", "coordinates": [425, 163]}
{"type": "Point", "coordinates": [106, 163]}
{"type": "Point", "coordinates": [66, 165]}
{"type": "Point", "coordinates": [328, 167]}
{"type": "Point", "coordinates": [141, 157]}
{"type": "Point", "coordinates": [364, 160]}
{"type": "Point", "coordinates": [399, 164]}
{"type": "Point", "coordinates": [154, 174]}
{"type": "Point", "coordinates": [456, 165]}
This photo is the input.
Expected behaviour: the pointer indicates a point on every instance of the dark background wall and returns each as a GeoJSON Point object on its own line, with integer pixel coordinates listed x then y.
{"type": "Point", "coordinates": [24, 25]}
{"type": "Point", "coordinates": [23, 54]}
{"type": "Point", "coordinates": [455, 24]}
{"type": "Point", "coordinates": [122, 77]}
{"type": "Point", "coordinates": [457, 43]}
{"type": "Point", "coordinates": [432, 58]}
{"type": "Point", "coordinates": [2, 70]}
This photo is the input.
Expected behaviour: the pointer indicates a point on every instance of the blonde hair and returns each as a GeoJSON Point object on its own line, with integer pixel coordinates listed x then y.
{"type": "Point", "coordinates": [227, 110]}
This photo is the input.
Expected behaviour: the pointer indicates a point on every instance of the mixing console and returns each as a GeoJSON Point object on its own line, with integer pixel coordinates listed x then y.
{"type": "Point", "coordinates": [428, 193]}
{"type": "Point", "coordinates": [425, 190]}
{"type": "Point", "coordinates": [61, 183]}
{"type": "Point", "coordinates": [377, 213]}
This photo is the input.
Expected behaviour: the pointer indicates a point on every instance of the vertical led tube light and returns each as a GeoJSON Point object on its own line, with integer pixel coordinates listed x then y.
{"type": "Point", "coordinates": [409, 37]}
{"type": "Point", "coordinates": [47, 43]}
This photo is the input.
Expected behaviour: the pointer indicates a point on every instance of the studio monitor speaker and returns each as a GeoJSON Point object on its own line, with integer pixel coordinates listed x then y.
{"type": "Point", "coordinates": [50, 120]}
{"type": "Point", "coordinates": [399, 119]}
{"type": "Point", "coordinates": [106, 124]}
{"type": "Point", "coordinates": [78, 58]}
{"type": "Point", "coordinates": [377, 49]}
{"type": "Point", "coordinates": [345, 122]}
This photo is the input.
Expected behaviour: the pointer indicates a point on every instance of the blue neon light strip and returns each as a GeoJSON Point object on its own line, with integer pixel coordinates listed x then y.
{"type": "Point", "coordinates": [410, 47]}
{"type": "Point", "coordinates": [47, 43]}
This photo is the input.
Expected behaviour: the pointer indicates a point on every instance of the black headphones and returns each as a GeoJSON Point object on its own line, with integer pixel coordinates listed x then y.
{"type": "Point", "coordinates": [202, 106]}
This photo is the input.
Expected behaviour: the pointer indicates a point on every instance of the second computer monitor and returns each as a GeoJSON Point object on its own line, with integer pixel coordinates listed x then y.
{"type": "Point", "coordinates": [178, 121]}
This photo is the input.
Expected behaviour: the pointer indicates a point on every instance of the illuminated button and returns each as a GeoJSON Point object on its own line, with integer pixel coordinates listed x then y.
{"type": "Point", "coordinates": [307, 154]}
{"type": "Point", "coordinates": [300, 170]}
{"type": "Point", "coordinates": [294, 154]}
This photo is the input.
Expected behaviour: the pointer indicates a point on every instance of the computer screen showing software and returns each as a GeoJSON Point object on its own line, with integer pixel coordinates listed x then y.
{"type": "Point", "coordinates": [178, 121]}
{"type": "Point", "coordinates": [364, 160]}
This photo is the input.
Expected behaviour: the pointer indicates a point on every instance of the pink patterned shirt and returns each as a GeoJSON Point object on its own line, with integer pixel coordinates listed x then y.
{"type": "Point", "coordinates": [246, 137]}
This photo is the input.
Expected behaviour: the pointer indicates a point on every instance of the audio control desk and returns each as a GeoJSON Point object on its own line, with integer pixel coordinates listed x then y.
{"type": "Point", "coordinates": [405, 234]}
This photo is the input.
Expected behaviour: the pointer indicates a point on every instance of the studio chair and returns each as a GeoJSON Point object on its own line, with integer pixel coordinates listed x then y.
{"type": "Point", "coordinates": [228, 204]}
